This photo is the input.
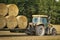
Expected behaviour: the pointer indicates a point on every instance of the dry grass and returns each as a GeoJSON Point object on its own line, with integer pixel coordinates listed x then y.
{"type": "Point", "coordinates": [30, 38]}
{"type": "Point", "coordinates": [27, 37]}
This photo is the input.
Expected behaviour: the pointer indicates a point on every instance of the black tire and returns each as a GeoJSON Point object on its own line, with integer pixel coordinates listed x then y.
{"type": "Point", "coordinates": [54, 32]}
{"type": "Point", "coordinates": [28, 32]}
{"type": "Point", "coordinates": [40, 30]}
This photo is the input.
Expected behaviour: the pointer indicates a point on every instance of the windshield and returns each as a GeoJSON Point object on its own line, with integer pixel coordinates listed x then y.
{"type": "Point", "coordinates": [35, 20]}
{"type": "Point", "coordinates": [43, 20]}
{"type": "Point", "coordinates": [39, 20]}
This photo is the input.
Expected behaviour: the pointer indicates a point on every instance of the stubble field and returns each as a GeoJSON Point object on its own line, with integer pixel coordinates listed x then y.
{"type": "Point", "coordinates": [6, 35]}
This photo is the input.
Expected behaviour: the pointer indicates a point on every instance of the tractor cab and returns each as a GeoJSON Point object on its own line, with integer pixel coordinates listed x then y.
{"type": "Point", "coordinates": [40, 19]}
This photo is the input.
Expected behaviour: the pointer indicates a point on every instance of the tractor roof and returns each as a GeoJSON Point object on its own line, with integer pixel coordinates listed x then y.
{"type": "Point", "coordinates": [39, 16]}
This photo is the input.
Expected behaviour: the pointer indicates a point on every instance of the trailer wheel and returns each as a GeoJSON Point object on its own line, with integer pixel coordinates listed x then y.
{"type": "Point", "coordinates": [54, 32]}
{"type": "Point", "coordinates": [40, 30]}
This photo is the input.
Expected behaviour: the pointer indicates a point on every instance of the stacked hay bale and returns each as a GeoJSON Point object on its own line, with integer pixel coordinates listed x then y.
{"type": "Point", "coordinates": [22, 22]}
{"type": "Point", "coordinates": [3, 9]}
{"type": "Point", "coordinates": [2, 21]}
{"type": "Point", "coordinates": [3, 13]}
{"type": "Point", "coordinates": [11, 20]}
{"type": "Point", "coordinates": [13, 10]}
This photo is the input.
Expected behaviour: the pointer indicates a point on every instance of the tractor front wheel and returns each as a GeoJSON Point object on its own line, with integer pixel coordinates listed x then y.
{"type": "Point", "coordinates": [40, 30]}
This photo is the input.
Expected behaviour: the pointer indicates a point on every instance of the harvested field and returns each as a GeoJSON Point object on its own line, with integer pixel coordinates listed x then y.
{"type": "Point", "coordinates": [6, 35]}
{"type": "Point", "coordinates": [26, 37]}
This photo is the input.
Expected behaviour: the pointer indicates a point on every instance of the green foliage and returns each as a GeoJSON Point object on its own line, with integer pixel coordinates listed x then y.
{"type": "Point", "coordinates": [33, 7]}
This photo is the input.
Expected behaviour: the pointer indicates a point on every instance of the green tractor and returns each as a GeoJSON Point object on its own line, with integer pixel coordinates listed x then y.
{"type": "Point", "coordinates": [40, 26]}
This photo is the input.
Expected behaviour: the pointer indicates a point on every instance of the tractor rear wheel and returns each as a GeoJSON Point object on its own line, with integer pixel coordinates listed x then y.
{"type": "Point", "coordinates": [40, 30]}
{"type": "Point", "coordinates": [54, 32]}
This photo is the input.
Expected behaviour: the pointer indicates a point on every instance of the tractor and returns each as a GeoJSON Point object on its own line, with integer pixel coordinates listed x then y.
{"type": "Point", "coordinates": [40, 26]}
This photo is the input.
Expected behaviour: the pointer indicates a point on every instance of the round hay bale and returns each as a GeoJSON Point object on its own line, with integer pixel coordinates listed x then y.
{"type": "Point", "coordinates": [13, 9]}
{"type": "Point", "coordinates": [2, 22]}
{"type": "Point", "coordinates": [22, 22]}
{"type": "Point", "coordinates": [3, 9]}
{"type": "Point", "coordinates": [11, 22]}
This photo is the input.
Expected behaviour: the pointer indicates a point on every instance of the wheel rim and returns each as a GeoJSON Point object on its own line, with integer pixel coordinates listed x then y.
{"type": "Point", "coordinates": [40, 31]}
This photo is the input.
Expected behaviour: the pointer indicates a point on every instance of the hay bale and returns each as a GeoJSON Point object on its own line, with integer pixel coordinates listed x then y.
{"type": "Point", "coordinates": [57, 27]}
{"type": "Point", "coordinates": [13, 9]}
{"type": "Point", "coordinates": [2, 22]}
{"type": "Point", "coordinates": [3, 9]}
{"type": "Point", "coordinates": [11, 22]}
{"type": "Point", "coordinates": [22, 22]}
